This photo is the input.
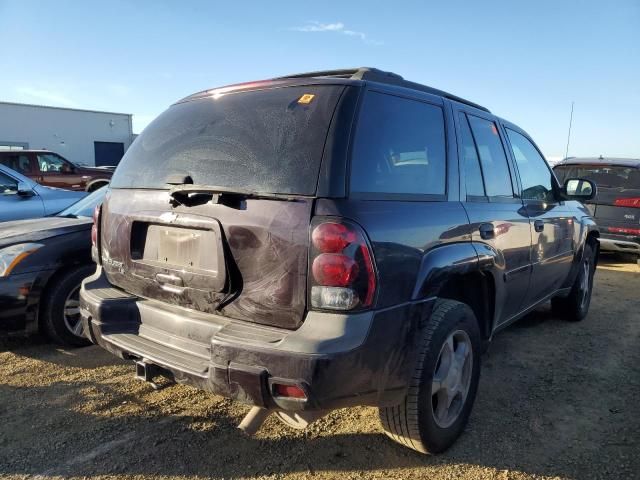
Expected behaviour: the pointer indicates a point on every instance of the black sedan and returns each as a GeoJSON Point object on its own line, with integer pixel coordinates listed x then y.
{"type": "Point", "coordinates": [42, 263]}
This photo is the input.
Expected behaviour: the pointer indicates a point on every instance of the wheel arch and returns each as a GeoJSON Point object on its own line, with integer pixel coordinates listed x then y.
{"type": "Point", "coordinates": [96, 183]}
{"type": "Point", "coordinates": [454, 272]}
{"type": "Point", "coordinates": [46, 287]}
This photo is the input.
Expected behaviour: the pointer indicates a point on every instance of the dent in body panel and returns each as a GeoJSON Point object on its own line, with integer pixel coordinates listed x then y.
{"type": "Point", "coordinates": [266, 248]}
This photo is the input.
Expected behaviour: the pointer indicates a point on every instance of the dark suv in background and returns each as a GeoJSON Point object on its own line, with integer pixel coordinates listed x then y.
{"type": "Point", "coordinates": [53, 170]}
{"type": "Point", "coordinates": [333, 239]}
{"type": "Point", "coordinates": [616, 207]}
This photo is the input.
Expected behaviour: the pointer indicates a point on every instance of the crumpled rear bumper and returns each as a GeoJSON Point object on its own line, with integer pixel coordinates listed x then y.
{"type": "Point", "coordinates": [338, 360]}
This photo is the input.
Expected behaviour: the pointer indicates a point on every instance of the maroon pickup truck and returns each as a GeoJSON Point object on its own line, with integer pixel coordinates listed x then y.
{"type": "Point", "coordinates": [50, 169]}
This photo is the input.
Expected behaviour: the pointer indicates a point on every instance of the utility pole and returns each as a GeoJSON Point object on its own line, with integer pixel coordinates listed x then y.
{"type": "Point", "coordinates": [566, 153]}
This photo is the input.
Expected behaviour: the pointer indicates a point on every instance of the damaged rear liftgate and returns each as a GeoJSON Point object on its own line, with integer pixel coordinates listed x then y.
{"type": "Point", "coordinates": [241, 262]}
{"type": "Point", "coordinates": [204, 249]}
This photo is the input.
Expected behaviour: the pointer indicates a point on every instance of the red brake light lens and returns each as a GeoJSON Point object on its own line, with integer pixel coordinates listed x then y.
{"type": "Point", "coordinates": [332, 237]}
{"type": "Point", "coordinates": [342, 276]}
{"type": "Point", "coordinates": [334, 269]}
{"type": "Point", "coordinates": [624, 231]}
{"type": "Point", "coordinates": [633, 202]}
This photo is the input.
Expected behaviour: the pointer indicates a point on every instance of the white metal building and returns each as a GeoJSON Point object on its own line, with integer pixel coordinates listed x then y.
{"type": "Point", "coordinates": [82, 136]}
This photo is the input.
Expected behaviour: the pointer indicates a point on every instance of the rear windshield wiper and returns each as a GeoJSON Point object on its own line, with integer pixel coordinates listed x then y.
{"type": "Point", "coordinates": [183, 193]}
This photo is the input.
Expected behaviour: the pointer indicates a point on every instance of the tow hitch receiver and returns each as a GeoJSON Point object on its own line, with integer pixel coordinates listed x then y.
{"type": "Point", "coordinates": [147, 372]}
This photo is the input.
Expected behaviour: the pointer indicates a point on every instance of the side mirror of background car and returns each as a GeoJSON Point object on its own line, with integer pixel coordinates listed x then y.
{"type": "Point", "coordinates": [579, 189]}
{"type": "Point", "coordinates": [24, 190]}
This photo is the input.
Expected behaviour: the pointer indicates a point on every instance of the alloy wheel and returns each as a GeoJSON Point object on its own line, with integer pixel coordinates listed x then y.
{"type": "Point", "coordinates": [451, 378]}
{"type": "Point", "coordinates": [72, 319]}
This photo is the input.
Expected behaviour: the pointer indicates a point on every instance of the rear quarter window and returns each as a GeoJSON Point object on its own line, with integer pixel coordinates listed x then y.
{"type": "Point", "coordinates": [399, 147]}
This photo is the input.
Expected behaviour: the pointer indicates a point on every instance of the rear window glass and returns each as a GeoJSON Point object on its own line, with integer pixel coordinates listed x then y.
{"type": "Point", "coordinates": [268, 141]}
{"type": "Point", "coordinates": [399, 147]}
{"type": "Point", "coordinates": [607, 176]}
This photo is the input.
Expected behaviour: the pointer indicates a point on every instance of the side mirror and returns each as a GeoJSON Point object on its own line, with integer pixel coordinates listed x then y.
{"type": "Point", "coordinates": [24, 190]}
{"type": "Point", "coordinates": [579, 189]}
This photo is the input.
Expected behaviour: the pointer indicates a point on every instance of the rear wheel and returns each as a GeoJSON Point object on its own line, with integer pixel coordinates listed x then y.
{"type": "Point", "coordinates": [60, 307]}
{"type": "Point", "coordinates": [629, 257]}
{"type": "Point", "coordinates": [444, 384]}
{"type": "Point", "coordinates": [576, 306]}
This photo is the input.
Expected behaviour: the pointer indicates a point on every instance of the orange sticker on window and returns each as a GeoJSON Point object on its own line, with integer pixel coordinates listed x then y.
{"type": "Point", "coordinates": [494, 129]}
{"type": "Point", "coordinates": [306, 99]}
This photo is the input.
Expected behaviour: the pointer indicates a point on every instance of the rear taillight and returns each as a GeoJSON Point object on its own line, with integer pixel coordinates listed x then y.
{"type": "Point", "coordinates": [95, 251]}
{"type": "Point", "coordinates": [624, 231]}
{"type": "Point", "coordinates": [633, 202]}
{"type": "Point", "coordinates": [342, 276]}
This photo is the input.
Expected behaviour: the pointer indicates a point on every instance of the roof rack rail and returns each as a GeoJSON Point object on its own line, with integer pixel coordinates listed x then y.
{"type": "Point", "coordinates": [381, 76]}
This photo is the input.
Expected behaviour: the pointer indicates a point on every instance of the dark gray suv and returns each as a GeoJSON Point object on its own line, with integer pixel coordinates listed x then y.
{"type": "Point", "coordinates": [333, 239]}
{"type": "Point", "coordinates": [616, 207]}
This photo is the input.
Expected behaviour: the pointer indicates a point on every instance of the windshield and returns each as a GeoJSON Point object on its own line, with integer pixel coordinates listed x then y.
{"type": "Point", "coordinates": [85, 207]}
{"type": "Point", "coordinates": [266, 141]}
{"type": "Point", "coordinates": [604, 176]}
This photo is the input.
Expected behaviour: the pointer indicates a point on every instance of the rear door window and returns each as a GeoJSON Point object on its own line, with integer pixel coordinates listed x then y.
{"type": "Point", "coordinates": [18, 162]}
{"type": "Point", "coordinates": [399, 147]}
{"type": "Point", "coordinates": [265, 141]}
{"type": "Point", "coordinates": [492, 157]}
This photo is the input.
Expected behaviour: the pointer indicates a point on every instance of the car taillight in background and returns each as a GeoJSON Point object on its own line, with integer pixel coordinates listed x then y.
{"type": "Point", "coordinates": [95, 252]}
{"type": "Point", "coordinates": [624, 231]}
{"type": "Point", "coordinates": [633, 202]}
{"type": "Point", "coordinates": [342, 276]}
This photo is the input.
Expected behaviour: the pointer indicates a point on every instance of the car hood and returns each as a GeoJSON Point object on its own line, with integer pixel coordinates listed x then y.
{"type": "Point", "coordinates": [37, 229]}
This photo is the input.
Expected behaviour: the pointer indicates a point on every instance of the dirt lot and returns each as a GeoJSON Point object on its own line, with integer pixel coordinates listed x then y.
{"type": "Point", "coordinates": [556, 400]}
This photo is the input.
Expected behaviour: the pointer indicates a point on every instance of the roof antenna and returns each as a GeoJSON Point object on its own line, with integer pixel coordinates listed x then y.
{"type": "Point", "coordinates": [566, 153]}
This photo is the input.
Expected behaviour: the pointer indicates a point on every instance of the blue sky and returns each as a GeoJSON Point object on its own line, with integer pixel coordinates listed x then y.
{"type": "Point", "coordinates": [525, 61]}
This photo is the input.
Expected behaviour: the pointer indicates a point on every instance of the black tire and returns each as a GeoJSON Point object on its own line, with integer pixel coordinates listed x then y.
{"type": "Point", "coordinates": [575, 306]}
{"type": "Point", "coordinates": [628, 257]}
{"type": "Point", "coordinates": [52, 308]}
{"type": "Point", "coordinates": [413, 422]}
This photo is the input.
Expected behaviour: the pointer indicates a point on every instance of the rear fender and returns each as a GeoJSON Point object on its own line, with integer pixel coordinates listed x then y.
{"type": "Point", "coordinates": [439, 264]}
{"type": "Point", "coordinates": [587, 227]}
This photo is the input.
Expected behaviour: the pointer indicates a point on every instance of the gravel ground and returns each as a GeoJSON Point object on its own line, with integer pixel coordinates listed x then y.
{"type": "Point", "coordinates": [556, 400]}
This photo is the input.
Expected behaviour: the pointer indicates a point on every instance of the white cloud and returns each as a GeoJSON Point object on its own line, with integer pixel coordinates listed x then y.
{"type": "Point", "coordinates": [46, 96]}
{"type": "Point", "coordinates": [320, 27]}
{"type": "Point", "coordinates": [337, 27]}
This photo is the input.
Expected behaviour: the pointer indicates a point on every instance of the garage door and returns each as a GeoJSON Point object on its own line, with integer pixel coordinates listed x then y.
{"type": "Point", "coordinates": [108, 153]}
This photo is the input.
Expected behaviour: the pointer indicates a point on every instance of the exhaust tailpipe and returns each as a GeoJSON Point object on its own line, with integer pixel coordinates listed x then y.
{"type": "Point", "coordinates": [252, 422]}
